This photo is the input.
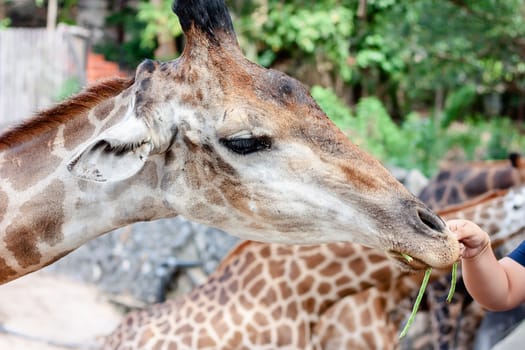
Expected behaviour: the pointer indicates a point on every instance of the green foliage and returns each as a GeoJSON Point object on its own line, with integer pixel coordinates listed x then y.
{"type": "Point", "coordinates": [458, 104]}
{"type": "Point", "coordinates": [449, 44]}
{"type": "Point", "coordinates": [142, 26]}
{"type": "Point", "coordinates": [502, 136]}
{"type": "Point", "coordinates": [70, 87]}
{"type": "Point", "coordinates": [418, 142]}
{"type": "Point", "coordinates": [369, 126]}
{"type": "Point", "coordinates": [157, 20]}
{"type": "Point", "coordinates": [4, 23]}
{"type": "Point", "coordinates": [404, 54]}
{"type": "Point", "coordinates": [338, 112]}
{"type": "Point", "coordinates": [66, 13]}
{"type": "Point", "coordinates": [131, 52]}
{"type": "Point", "coordinates": [290, 28]}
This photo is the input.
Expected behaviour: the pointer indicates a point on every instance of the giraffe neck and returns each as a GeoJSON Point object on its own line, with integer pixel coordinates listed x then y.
{"type": "Point", "coordinates": [500, 213]}
{"type": "Point", "coordinates": [314, 276]}
{"type": "Point", "coordinates": [298, 295]}
{"type": "Point", "coordinates": [45, 212]}
{"type": "Point", "coordinates": [456, 184]}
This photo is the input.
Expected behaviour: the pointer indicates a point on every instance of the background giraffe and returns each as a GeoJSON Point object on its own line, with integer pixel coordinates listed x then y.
{"type": "Point", "coordinates": [453, 185]}
{"type": "Point", "coordinates": [458, 183]}
{"type": "Point", "coordinates": [274, 296]}
{"type": "Point", "coordinates": [210, 136]}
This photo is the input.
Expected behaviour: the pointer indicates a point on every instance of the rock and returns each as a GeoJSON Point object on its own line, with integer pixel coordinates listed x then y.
{"type": "Point", "coordinates": [42, 311]}
{"type": "Point", "coordinates": [414, 180]}
{"type": "Point", "coordinates": [136, 264]}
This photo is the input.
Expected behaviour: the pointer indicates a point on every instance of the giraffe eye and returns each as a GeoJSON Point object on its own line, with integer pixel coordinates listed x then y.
{"type": "Point", "coordinates": [247, 145]}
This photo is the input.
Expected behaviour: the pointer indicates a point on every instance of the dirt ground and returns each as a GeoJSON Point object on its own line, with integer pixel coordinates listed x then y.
{"type": "Point", "coordinates": [42, 311]}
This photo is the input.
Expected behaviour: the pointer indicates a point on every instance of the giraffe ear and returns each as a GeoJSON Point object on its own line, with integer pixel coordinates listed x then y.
{"type": "Point", "coordinates": [117, 154]}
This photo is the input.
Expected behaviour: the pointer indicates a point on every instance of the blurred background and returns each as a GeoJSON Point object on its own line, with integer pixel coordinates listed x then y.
{"type": "Point", "coordinates": [417, 83]}
{"type": "Point", "coordinates": [445, 79]}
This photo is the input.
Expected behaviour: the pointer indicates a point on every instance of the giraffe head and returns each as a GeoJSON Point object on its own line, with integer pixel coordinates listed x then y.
{"type": "Point", "coordinates": [247, 149]}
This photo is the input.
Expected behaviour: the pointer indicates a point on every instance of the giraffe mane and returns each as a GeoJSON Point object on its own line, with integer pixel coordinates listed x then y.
{"type": "Point", "coordinates": [234, 253]}
{"type": "Point", "coordinates": [60, 113]}
{"type": "Point", "coordinates": [477, 163]}
{"type": "Point", "coordinates": [473, 202]}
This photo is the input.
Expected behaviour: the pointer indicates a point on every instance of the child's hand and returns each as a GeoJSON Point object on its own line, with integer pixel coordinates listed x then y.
{"type": "Point", "coordinates": [474, 240]}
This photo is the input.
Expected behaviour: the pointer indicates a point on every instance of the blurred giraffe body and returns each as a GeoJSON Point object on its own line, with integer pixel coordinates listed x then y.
{"type": "Point", "coordinates": [269, 296]}
{"type": "Point", "coordinates": [459, 183]}
{"type": "Point", "coordinates": [452, 186]}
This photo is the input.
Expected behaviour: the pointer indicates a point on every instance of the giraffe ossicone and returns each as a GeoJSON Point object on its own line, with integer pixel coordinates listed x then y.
{"type": "Point", "coordinates": [210, 136]}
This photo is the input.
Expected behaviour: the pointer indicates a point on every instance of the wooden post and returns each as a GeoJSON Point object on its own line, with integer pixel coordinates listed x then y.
{"type": "Point", "coordinates": [166, 46]}
{"type": "Point", "coordinates": [52, 10]}
{"type": "Point", "coordinates": [2, 10]}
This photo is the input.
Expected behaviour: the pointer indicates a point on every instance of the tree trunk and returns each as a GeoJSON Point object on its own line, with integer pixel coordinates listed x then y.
{"type": "Point", "coordinates": [3, 13]}
{"type": "Point", "coordinates": [166, 45]}
{"type": "Point", "coordinates": [52, 9]}
{"type": "Point", "coordinates": [439, 102]}
{"type": "Point", "coordinates": [92, 15]}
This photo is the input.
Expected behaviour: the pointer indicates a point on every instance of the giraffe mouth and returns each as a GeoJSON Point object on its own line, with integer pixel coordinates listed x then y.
{"type": "Point", "coordinates": [408, 261]}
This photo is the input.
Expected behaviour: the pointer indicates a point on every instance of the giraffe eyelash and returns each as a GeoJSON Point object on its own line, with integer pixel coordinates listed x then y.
{"type": "Point", "coordinates": [117, 149]}
{"type": "Point", "coordinates": [247, 145]}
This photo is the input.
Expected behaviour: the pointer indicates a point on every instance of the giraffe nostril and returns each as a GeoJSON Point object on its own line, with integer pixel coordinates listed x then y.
{"type": "Point", "coordinates": [431, 220]}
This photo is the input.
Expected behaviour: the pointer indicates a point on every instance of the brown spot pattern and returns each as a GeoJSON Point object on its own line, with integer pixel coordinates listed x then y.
{"type": "Point", "coordinates": [167, 180]}
{"type": "Point", "coordinates": [260, 319]}
{"type": "Point", "coordinates": [305, 285]}
{"type": "Point", "coordinates": [143, 210]}
{"type": "Point", "coordinates": [4, 201]}
{"type": "Point", "coordinates": [236, 340]}
{"type": "Point", "coordinates": [324, 288]}
{"type": "Point", "coordinates": [6, 272]}
{"type": "Point", "coordinates": [285, 290]}
{"type": "Point", "coordinates": [148, 174]}
{"type": "Point", "coordinates": [284, 336]}
{"type": "Point", "coordinates": [28, 164]}
{"type": "Point", "coordinates": [314, 260]}
{"type": "Point", "coordinates": [358, 266]}
{"type": "Point", "coordinates": [115, 118]}
{"type": "Point", "coordinates": [382, 274]}
{"type": "Point", "coordinates": [145, 337]}
{"type": "Point", "coordinates": [235, 315]}
{"type": "Point", "coordinates": [257, 288]}
{"type": "Point", "coordinates": [77, 131]}
{"type": "Point", "coordinates": [40, 219]}
{"type": "Point", "coordinates": [205, 341]}
{"type": "Point", "coordinates": [332, 269]}
{"type": "Point", "coordinates": [291, 310]}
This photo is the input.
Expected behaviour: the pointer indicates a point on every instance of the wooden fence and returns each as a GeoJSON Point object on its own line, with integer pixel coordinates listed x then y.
{"type": "Point", "coordinates": [35, 65]}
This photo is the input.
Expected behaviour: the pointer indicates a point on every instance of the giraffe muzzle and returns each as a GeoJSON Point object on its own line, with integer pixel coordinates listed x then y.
{"type": "Point", "coordinates": [431, 220]}
{"type": "Point", "coordinates": [431, 244]}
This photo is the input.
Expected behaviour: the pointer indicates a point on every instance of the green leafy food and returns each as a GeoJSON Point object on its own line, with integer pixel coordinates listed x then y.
{"type": "Point", "coordinates": [407, 257]}
{"type": "Point", "coordinates": [452, 282]}
{"type": "Point", "coordinates": [421, 292]}
{"type": "Point", "coordinates": [428, 272]}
